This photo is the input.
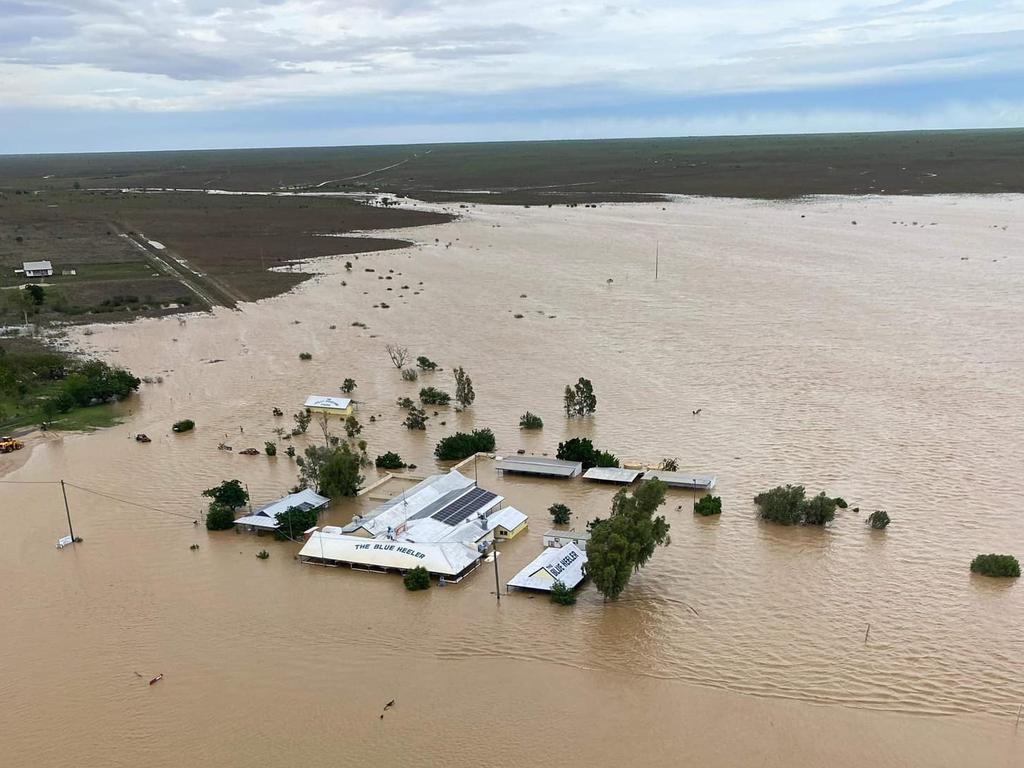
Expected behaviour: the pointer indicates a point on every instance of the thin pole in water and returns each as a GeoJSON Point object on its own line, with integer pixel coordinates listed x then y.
{"type": "Point", "coordinates": [657, 256]}
{"type": "Point", "coordinates": [866, 633]}
{"type": "Point", "coordinates": [497, 582]}
{"type": "Point", "coordinates": [1021, 707]}
{"type": "Point", "coordinates": [67, 509]}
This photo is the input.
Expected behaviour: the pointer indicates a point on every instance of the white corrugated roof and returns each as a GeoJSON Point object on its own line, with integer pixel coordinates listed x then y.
{"type": "Point", "coordinates": [508, 518]}
{"type": "Point", "coordinates": [564, 564]}
{"type": "Point", "coordinates": [448, 559]}
{"type": "Point", "coordinates": [326, 401]}
{"type": "Point", "coordinates": [612, 474]}
{"type": "Point", "coordinates": [407, 505]}
{"type": "Point", "coordinates": [539, 465]}
{"type": "Point", "coordinates": [36, 265]}
{"type": "Point", "coordinates": [266, 516]}
{"type": "Point", "coordinates": [258, 521]}
{"type": "Point", "coordinates": [681, 479]}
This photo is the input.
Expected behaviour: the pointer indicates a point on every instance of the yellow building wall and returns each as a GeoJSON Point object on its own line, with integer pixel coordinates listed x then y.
{"type": "Point", "coordinates": [341, 413]}
{"type": "Point", "coordinates": [504, 533]}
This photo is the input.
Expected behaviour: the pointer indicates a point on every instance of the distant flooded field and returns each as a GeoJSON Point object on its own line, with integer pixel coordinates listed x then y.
{"type": "Point", "coordinates": [868, 347]}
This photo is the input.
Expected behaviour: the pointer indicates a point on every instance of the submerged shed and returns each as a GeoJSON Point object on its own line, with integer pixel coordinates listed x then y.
{"type": "Point", "coordinates": [539, 465]}
{"type": "Point", "coordinates": [612, 475]}
{"type": "Point", "coordinates": [682, 479]}
{"type": "Point", "coordinates": [265, 518]}
{"type": "Point", "coordinates": [565, 564]}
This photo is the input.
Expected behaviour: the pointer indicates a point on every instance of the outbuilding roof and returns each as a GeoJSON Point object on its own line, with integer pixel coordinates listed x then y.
{"type": "Point", "coordinates": [419, 501]}
{"type": "Point", "coordinates": [266, 516]}
{"type": "Point", "coordinates": [612, 474]}
{"type": "Point", "coordinates": [682, 479]}
{"type": "Point", "coordinates": [508, 518]}
{"type": "Point", "coordinates": [326, 401]}
{"type": "Point", "coordinates": [564, 564]}
{"type": "Point", "coordinates": [35, 266]}
{"type": "Point", "coordinates": [539, 465]}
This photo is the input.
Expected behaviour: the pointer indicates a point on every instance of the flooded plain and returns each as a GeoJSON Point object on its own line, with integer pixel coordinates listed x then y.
{"type": "Point", "coordinates": [873, 348]}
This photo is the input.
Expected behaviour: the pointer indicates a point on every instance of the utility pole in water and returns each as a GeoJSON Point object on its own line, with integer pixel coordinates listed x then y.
{"type": "Point", "coordinates": [497, 582]}
{"type": "Point", "coordinates": [657, 257]}
{"type": "Point", "coordinates": [67, 510]}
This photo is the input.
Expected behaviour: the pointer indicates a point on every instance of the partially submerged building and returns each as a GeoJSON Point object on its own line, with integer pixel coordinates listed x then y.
{"type": "Point", "coordinates": [682, 479]}
{"type": "Point", "coordinates": [565, 564]}
{"type": "Point", "coordinates": [444, 524]}
{"type": "Point", "coordinates": [539, 465]}
{"type": "Point", "coordinates": [561, 538]}
{"type": "Point", "coordinates": [265, 518]}
{"type": "Point", "coordinates": [612, 475]}
{"type": "Point", "coordinates": [332, 406]}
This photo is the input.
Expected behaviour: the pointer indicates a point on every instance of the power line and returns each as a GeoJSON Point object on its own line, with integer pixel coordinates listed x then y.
{"type": "Point", "coordinates": [131, 503]}
{"type": "Point", "coordinates": [31, 482]}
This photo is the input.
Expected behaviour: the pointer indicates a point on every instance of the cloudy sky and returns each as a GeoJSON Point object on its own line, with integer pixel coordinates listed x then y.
{"type": "Point", "coordinates": [85, 75]}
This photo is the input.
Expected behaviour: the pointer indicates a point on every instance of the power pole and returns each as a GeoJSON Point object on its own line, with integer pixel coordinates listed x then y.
{"type": "Point", "coordinates": [657, 257]}
{"type": "Point", "coordinates": [497, 581]}
{"type": "Point", "coordinates": [67, 509]}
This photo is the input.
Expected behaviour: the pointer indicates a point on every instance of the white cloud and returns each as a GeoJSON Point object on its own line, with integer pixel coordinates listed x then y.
{"type": "Point", "coordinates": [213, 55]}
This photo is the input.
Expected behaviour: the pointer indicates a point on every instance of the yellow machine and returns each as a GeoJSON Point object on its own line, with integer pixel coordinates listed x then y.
{"type": "Point", "coordinates": [9, 444]}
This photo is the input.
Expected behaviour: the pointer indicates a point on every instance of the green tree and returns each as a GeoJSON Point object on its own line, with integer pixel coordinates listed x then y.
{"type": "Point", "coordinates": [416, 419]}
{"type": "Point", "coordinates": [464, 393]}
{"type": "Point", "coordinates": [782, 504]}
{"type": "Point", "coordinates": [409, 374]}
{"type": "Point", "coordinates": [818, 510]}
{"type": "Point", "coordinates": [562, 595]}
{"type": "Point", "coordinates": [580, 399]}
{"type": "Point", "coordinates": [426, 364]}
{"type": "Point", "coordinates": [670, 465]}
{"type": "Point", "coordinates": [352, 427]}
{"type": "Point", "coordinates": [582, 449]}
{"type": "Point", "coordinates": [560, 514]}
{"type": "Point", "coordinates": [462, 445]}
{"type": "Point", "coordinates": [625, 542]}
{"type": "Point", "coordinates": [270, 447]}
{"type": "Point", "coordinates": [416, 579]}
{"type": "Point", "coordinates": [302, 420]}
{"type": "Point", "coordinates": [348, 386]}
{"type": "Point", "coordinates": [331, 470]}
{"type": "Point", "coordinates": [390, 460]}
{"type": "Point", "coordinates": [36, 293]}
{"type": "Point", "coordinates": [406, 402]}
{"type": "Point", "coordinates": [879, 519]}
{"type": "Point", "coordinates": [530, 421]}
{"type": "Point", "coordinates": [996, 565]}
{"type": "Point", "coordinates": [434, 396]}
{"type": "Point", "coordinates": [708, 505]}
{"type": "Point", "coordinates": [230, 493]}
{"type": "Point", "coordinates": [219, 517]}
{"type": "Point", "coordinates": [294, 521]}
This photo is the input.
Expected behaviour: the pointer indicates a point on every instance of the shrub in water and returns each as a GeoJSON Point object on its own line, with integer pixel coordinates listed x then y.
{"type": "Point", "coordinates": [390, 460]}
{"type": "Point", "coordinates": [409, 374]}
{"type": "Point", "coordinates": [185, 425]}
{"type": "Point", "coordinates": [426, 364]}
{"type": "Point", "coordinates": [462, 445]}
{"type": "Point", "coordinates": [561, 594]}
{"type": "Point", "coordinates": [263, 554]}
{"type": "Point", "coordinates": [270, 448]}
{"type": "Point", "coordinates": [840, 502]}
{"type": "Point", "coordinates": [305, 356]}
{"type": "Point", "coordinates": [996, 565]}
{"type": "Point", "coordinates": [560, 514]}
{"type": "Point", "coordinates": [708, 505]}
{"type": "Point", "coordinates": [878, 519]}
{"type": "Point", "coordinates": [417, 578]}
{"type": "Point", "coordinates": [530, 421]}
{"type": "Point", "coordinates": [434, 396]}
{"type": "Point", "coordinates": [220, 517]}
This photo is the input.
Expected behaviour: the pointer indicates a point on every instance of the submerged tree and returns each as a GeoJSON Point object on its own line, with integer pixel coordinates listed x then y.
{"type": "Point", "coordinates": [348, 385]}
{"type": "Point", "coordinates": [560, 514]}
{"type": "Point", "coordinates": [624, 542]}
{"type": "Point", "coordinates": [464, 393]}
{"type": "Point", "coordinates": [331, 470]}
{"type": "Point", "coordinates": [302, 420]}
{"type": "Point", "coordinates": [295, 521]}
{"type": "Point", "coordinates": [530, 421]}
{"type": "Point", "coordinates": [416, 419]}
{"type": "Point", "coordinates": [434, 396]}
{"type": "Point", "coordinates": [579, 399]}
{"type": "Point", "coordinates": [425, 363]}
{"type": "Point", "coordinates": [879, 519]}
{"type": "Point", "coordinates": [416, 579]}
{"type": "Point", "coordinates": [581, 449]}
{"type": "Point", "coordinates": [352, 427]}
{"type": "Point", "coordinates": [562, 595]}
{"type": "Point", "coordinates": [398, 354]}
{"type": "Point", "coordinates": [230, 493]}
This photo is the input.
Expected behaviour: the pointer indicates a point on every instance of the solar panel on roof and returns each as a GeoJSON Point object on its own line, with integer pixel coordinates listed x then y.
{"type": "Point", "coordinates": [462, 508]}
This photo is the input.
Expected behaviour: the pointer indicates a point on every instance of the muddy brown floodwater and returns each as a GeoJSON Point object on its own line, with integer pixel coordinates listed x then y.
{"type": "Point", "coordinates": [881, 361]}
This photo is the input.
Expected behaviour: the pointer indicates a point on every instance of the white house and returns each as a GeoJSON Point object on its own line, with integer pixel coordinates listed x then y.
{"type": "Point", "coordinates": [332, 406]}
{"type": "Point", "coordinates": [564, 564]}
{"type": "Point", "coordinates": [555, 538]}
{"type": "Point", "coordinates": [36, 269]}
{"type": "Point", "coordinates": [265, 518]}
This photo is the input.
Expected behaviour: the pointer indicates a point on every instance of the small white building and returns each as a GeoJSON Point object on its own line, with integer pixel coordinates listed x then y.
{"type": "Point", "coordinates": [561, 538]}
{"type": "Point", "coordinates": [565, 564]}
{"type": "Point", "coordinates": [612, 475]}
{"type": "Point", "coordinates": [682, 479]}
{"type": "Point", "coordinates": [36, 269]}
{"type": "Point", "coordinates": [539, 465]}
{"type": "Point", "coordinates": [332, 406]}
{"type": "Point", "coordinates": [265, 518]}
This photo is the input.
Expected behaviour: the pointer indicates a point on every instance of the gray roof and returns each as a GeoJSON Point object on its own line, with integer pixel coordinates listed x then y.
{"type": "Point", "coordinates": [612, 474]}
{"type": "Point", "coordinates": [682, 479]}
{"type": "Point", "coordinates": [570, 535]}
{"type": "Point", "coordinates": [539, 465]}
